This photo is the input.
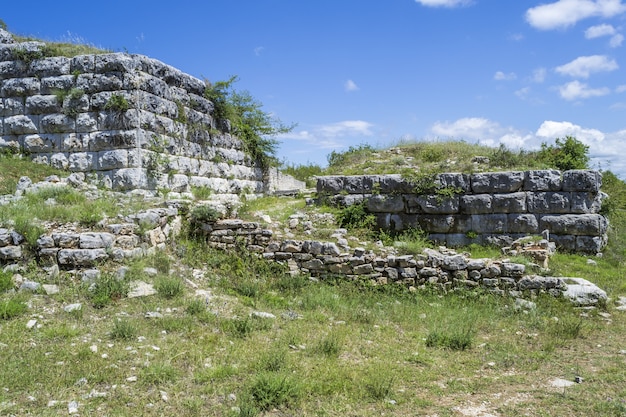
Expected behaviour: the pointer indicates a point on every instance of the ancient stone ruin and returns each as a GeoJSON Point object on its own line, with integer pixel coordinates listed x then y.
{"type": "Point", "coordinates": [484, 208]}
{"type": "Point", "coordinates": [129, 121]}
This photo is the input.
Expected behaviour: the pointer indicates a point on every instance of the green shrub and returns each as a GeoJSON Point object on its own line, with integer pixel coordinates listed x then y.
{"type": "Point", "coordinates": [12, 307]}
{"type": "Point", "coordinates": [196, 307]}
{"type": "Point", "coordinates": [169, 287]}
{"type": "Point", "coordinates": [123, 329]}
{"type": "Point", "coordinates": [461, 339]}
{"type": "Point", "coordinates": [117, 103]}
{"type": "Point", "coordinates": [356, 216]}
{"type": "Point", "coordinates": [270, 390]}
{"type": "Point", "coordinates": [330, 345]}
{"type": "Point", "coordinates": [204, 214]}
{"type": "Point", "coordinates": [6, 281]}
{"type": "Point", "coordinates": [107, 289]}
{"type": "Point", "coordinates": [565, 154]}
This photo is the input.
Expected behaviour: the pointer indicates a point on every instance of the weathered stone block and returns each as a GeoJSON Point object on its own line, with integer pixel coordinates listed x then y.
{"type": "Point", "coordinates": [82, 161]}
{"type": "Point", "coordinates": [489, 223]}
{"type": "Point", "coordinates": [497, 182]}
{"type": "Point", "coordinates": [48, 67]}
{"type": "Point", "coordinates": [39, 104]}
{"type": "Point", "coordinates": [575, 224]}
{"type": "Point", "coordinates": [10, 253]}
{"type": "Point", "coordinates": [454, 263]}
{"type": "Point", "coordinates": [460, 182]}
{"type": "Point", "coordinates": [584, 203]}
{"type": "Point", "coordinates": [20, 87]}
{"type": "Point", "coordinates": [329, 185]}
{"type": "Point", "coordinates": [509, 203]}
{"type": "Point", "coordinates": [582, 180]}
{"type": "Point", "coordinates": [523, 223]}
{"type": "Point", "coordinates": [129, 179]}
{"type": "Point", "coordinates": [37, 143]}
{"type": "Point", "coordinates": [81, 257]}
{"type": "Point", "coordinates": [549, 202]}
{"type": "Point", "coordinates": [13, 106]}
{"type": "Point", "coordinates": [436, 204]}
{"type": "Point", "coordinates": [57, 123]}
{"type": "Point", "coordinates": [57, 83]}
{"type": "Point", "coordinates": [432, 223]}
{"type": "Point", "coordinates": [95, 240]}
{"type": "Point", "coordinates": [510, 269]}
{"type": "Point", "coordinates": [20, 125]}
{"type": "Point", "coordinates": [379, 203]}
{"type": "Point", "coordinates": [394, 184]}
{"type": "Point", "coordinates": [476, 204]}
{"type": "Point", "coordinates": [542, 180]}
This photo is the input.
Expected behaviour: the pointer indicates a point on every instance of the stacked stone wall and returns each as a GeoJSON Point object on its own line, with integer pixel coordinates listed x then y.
{"type": "Point", "coordinates": [70, 113]}
{"type": "Point", "coordinates": [483, 208]}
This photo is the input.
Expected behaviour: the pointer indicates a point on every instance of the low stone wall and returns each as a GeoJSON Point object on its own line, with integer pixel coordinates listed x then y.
{"type": "Point", "coordinates": [69, 247]}
{"type": "Point", "coordinates": [443, 268]}
{"type": "Point", "coordinates": [484, 208]}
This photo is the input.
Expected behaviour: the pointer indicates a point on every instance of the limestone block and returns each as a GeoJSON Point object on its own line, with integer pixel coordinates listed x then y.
{"type": "Point", "coordinates": [20, 125]}
{"type": "Point", "coordinates": [12, 69]}
{"type": "Point", "coordinates": [476, 264]}
{"type": "Point", "coordinates": [497, 182]}
{"type": "Point", "coordinates": [83, 63]}
{"type": "Point", "coordinates": [20, 87]}
{"type": "Point", "coordinates": [129, 179]}
{"type": "Point", "coordinates": [436, 223]}
{"type": "Point", "coordinates": [436, 204]}
{"type": "Point", "coordinates": [476, 204]}
{"type": "Point", "coordinates": [40, 143]}
{"type": "Point", "coordinates": [582, 180]}
{"type": "Point", "coordinates": [113, 159]}
{"type": "Point", "coordinates": [583, 293]}
{"type": "Point", "coordinates": [13, 106]}
{"type": "Point", "coordinates": [509, 203]}
{"type": "Point", "coordinates": [583, 203]}
{"type": "Point", "coordinates": [564, 242]}
{"type": "Point", "coordinates": [590, 244]}
{"type": "Point", "coordinates": [178, 183]}
{"type": "Point", "coordinates": [81, 257]}
{"type": "Point", "coordinates": [158, 105]}
{"type": "Point", "coordinates": [394, 184]}
{"type": "Point", "coordinates": [542, 180]}
{"type": "Point", "coordinates": [454, 262]}
{"type": "Point", "coordinates": [366, 269]}
{"type": "Point", "coordinates": [59, 160]}
{"type": "Point", "coordinates": [455, 240]}
{"type": "Point", "coordinates": [489, 223]}
{"type": "Point", "coordinates": [148, 83]}
{"type": "Point", "coordinates": [116, 62]}
{"type": "Point", "coordinates": [10, 253]}
{"type": "Point", "coordinates": [114, 139]}
{"type": "Point", "coordinates": [44, 242]}
{"type": "Point", "coordinates": [549, 202]}
{"type": "Point", "coordinates": [385, 203]}
{"type": "Point", "coordinates": [73, 143]}
{"type": "Point", "coordinates": [5, 237]}
{"type": "Point", "coordinates": [66, 240]}
{"type": "Point", "coordinates": [82, 161]}
{"type": "Point", "coordinates": [95, 83]}
{"type": "Point", "coordinates": [39, 104]}
{"type": "Point", "coordinates": [199, 103]}
{"type": "Point", "coordinates": [510, 269]}
{"type": "Point", "coordinates": [460, 182]}
{"type": "Point", "coordinates": [575, 224]}
{"type": "Point", "coordinates": [86, 122]}
{"type": "Point", "coordinates": [48, 67]}
{"type": "Point", "coordinates": [5, 38]}
{"type": "Point", "coordinates": [94, 240]}
{"type": "Point", "coordinates": [61, 82]}
{"type": "Point", "coordinates": [329, 185]}
{"type": "Point", "coordinates": [57, 123]}
{"type": "Point", "coordinates": [523, 223]}
{"type": "Point", "coordinates": [156, 237]}
{"type": "Point", "coordinates": [130, 119]}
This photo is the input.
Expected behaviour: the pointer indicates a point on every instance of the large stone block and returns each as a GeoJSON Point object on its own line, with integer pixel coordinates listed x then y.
{"type": "Point", "coordinates": [82, 162]}
{"type": "Point", "coordinates": [94, 240]}
{"type": "Point", "coordinates": [433, 223]}
{"type": "Point", "coordinates": [583, 203]}
{"type": "Point", "coordinates": [81, 257]}
{"type": "Point", "coordinates": [437, 204]}
{"type": "Point", "coordinates": [476, 204]}
{"type": "Point", "coordinates": [575, 224]}
{"type": "Point", "coordinates": [329, 185]}
{"type": "Point", "coordinates": [460, 182]}
{"type": "Point", "coordinates": [489, 223]}
{"type": "Point", "coordinates": [523, 223]}
{"type": "Point", "coordinates": [394, 184]}
{"type": "Point", "coordinates": [20, 125]}
{"type": "Point", "coordinates": [497, 182]}
{"type": "Point", "coordinates": [549, 202]}
{"type": "Point", "coordinates": [542, 180]}
{"type": "Point", "coordinates": [509, 203]}
{"type": "Point", "coordinates": [95, 83]}
{"type": "Point", "coordinates": [116, 62]}
{"type": "Point", "coordinates": [582, 180]}
{"type": "Point", "coordinates": [40, 143]}
{"type": "Point", "coordinates": [20, 87]}
{"type": "Point", "coordinates": [114, 139]}
{"type": "Point", "coordinates": [113, 159]}
{"type": "Point", "coordinates": [50, 85]}
{"type": "Point", "coordinates": [48, 67]}
{"type": "Point", "coordinates": [57, 123]}
{"type": "Point", "coordinates": [380, 203]}
{"type": "Point", "coordinates": [39, 104]}
{"type": "Point", "coordinates": [129, 179]}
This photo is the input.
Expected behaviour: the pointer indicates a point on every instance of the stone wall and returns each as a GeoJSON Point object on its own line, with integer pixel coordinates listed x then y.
{"type": "Point", "coordinates": [444, 269]}
{"type": "Point", "coordinates": [70, 113]}
{"type": "Point", "coordinates": [69, 247]}
{"type": "Point", "coordinates": [484, 208]}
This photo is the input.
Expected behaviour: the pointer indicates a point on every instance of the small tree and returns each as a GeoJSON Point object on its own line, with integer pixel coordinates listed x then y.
{"type": "Point", "coordinates": [568, 153]}
{"type": "Point", "coordinates": [256, 128]}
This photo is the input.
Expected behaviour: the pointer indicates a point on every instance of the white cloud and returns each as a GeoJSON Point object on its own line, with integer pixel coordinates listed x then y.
{"type": "Point", "coordinates": [564, 13]}
{"type": "Point", "coordinates": [523, 93]}
{"type": "Point", "coordinates": [350, 86]}
{"type": "Point", "coordinates": [517, 37]}
{"type": "Point", "coordinates": [539, 75]}
{"type": "Point", "coordinates": [577, 90]}
{"type": "Point", "coordinates": [620, 88]}
{"type": "Point", "coordinates": [345, 128]}
{"type": "Point", "coordinates": [616, 40]}
{"type": "Point", "coordinates": [500, 76]}
{"type": "Point", "coordinates": [444, 3]}
{"type": "Point", "coordinates": [258, 50]}
{"type": "Point", "coordinates": [584, 66]}
{"type": "Point", "coordinates": [599, 31]}
{"type": "Point", "coordinates": [552, 130]}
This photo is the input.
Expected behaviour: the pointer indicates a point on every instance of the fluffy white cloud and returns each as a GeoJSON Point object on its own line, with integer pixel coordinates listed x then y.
{"type": "Point", "coordinates": [258, 50]}
{"type": "Point", "coordinates": [550, 129]}
{"type": "Point", "coordinates": [599, 31]}
{"type": "Point", "coordinates": [345, 128]}
{"type": "Point", "coordinates": [501, 76]}
{"type": "Point", "coordinates": [620, 88]}
{"type": "Point", "coordinates": [444, 3]}
{"type": "Point", "coordinates": [584, 66]}
{"type": "Point", "coordinates": [330, 136]}
{"type": "Point", "coordinates": [577, 90]}
{"type": "Point", "coordinates": [565, 13]}
{"type": "Point", "coordinates": [350, 86]}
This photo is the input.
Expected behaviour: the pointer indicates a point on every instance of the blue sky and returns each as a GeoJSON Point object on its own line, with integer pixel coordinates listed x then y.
{"type": "Point", "coordinates": [350, 72]}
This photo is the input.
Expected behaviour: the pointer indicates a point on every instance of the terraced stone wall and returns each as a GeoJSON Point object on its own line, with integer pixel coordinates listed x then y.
{"type": "Point", "coordinates": [129, 121]}
{"type": "Point", "coordinates": [484, 208]}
